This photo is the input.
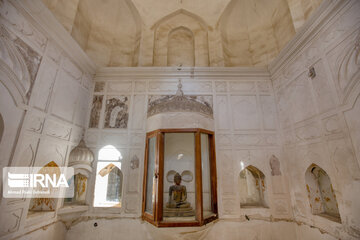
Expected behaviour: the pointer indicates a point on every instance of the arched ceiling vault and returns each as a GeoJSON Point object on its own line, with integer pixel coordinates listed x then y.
{"type": "Point", "coordinates": [120, 33]}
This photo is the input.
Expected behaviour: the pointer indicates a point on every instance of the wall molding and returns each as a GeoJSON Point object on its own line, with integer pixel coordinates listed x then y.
{"type": "Point", "coordinates": [260, 73]}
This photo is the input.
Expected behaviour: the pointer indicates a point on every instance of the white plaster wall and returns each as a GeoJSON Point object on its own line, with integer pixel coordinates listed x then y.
{"type": "Point", "coordinates": [319, 117]}
{"type": "Point", "coordinates": [318, 121]}
{"type": "Point", "coordinates": [48, 121]}
{"type": "Point", "coordinates": [245, 126]}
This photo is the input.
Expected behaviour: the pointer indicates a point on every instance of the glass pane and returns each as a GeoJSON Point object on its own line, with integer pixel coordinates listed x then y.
{"type": "Point", "coordinates": [206, 176]}
{"type": "Point", "coordinates": [150, 191]}
{"type": "Point", "coordinates": [104, 174]}
{"type": "Point", "coordinates": [179, 177]}
{"type": "Point", "coordinates": [114, 186]}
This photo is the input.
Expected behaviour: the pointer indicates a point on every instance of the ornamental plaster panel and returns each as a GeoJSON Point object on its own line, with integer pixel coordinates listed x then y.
{"type": "Point", "coordinates": [244, 112]}
{"type": "Point", "coordinates": [65, 96]}
{"type": "Point", "coordinates": [44, 85]}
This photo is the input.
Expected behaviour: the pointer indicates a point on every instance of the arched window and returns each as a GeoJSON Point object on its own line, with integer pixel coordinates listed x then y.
{"type": "Point", "coordinates": [321, 193]}
{"type": "Point", "coordinates": [252, 187]}
{"type": "Point", "coordinates": [109, 178]}
{"type": "Point", "coordinates": [1, 127]}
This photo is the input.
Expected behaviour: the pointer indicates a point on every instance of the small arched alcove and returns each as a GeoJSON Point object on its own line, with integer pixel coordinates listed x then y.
{"type": "Point", "coordinates": [80, 158]}
{"type": "Point", "coordinates": [109, 178]}
{"type": "Point", "coordinates": [41, 204]}
{"type": "Point", "coordinates": [180, 27]}
{"type": "Point", "coordinates": [181, 47]}
{"type": "Point", "coordinates": [252, 187]}
{"type": "Point", "coordinates": [321, 193]}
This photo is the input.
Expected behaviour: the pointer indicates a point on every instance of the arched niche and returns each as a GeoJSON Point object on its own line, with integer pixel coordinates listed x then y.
{"type": "Point", "coordinates": [321, 194]}
{"type": "Point", "coordinates": [252, 187]}
{"type": "Point", "coordinates": [181, 47]}
{"type": "Point", "coordinates": [45, 204]}
{"type": "Point", "coordinates": [176, 20]}
{"type": "Point", "coordinates": [80, 187]}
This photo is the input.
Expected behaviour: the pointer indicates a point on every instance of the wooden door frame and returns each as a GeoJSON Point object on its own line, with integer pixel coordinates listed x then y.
{"type": "Point", "coordinates": [157, 217]}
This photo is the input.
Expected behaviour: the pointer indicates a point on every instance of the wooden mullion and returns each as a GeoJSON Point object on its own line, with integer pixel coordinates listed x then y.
{"type": "Point", "coordinates": [158, 183]}
{"type": "Point", "coordinates": [214, 206]}
{"type": "Point", "coordinates": [160, 195]}
{"type": "Point", "coordinates": [198, 178]}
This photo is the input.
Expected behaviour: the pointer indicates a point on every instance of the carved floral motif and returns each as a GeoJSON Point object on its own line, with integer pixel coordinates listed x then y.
{"type": "Point", "coordinates": [117, 112]}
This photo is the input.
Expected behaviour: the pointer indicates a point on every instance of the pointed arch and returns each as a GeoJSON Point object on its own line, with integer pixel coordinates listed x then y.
{"type": "Point", "coordinates": [185, 12]}
{"type": "Point", "coordinates": [109, 152]}
{"type": "Point", "coordinates": [45, 204]}
{"type": "Point", "coordinates": [322, 198]}
{"type": "Point", "coordinates": [252, 187]}
{"type": "Point", "coordinates": [109, 178]}
{"type": "Point", "coordinates": [181, 19]}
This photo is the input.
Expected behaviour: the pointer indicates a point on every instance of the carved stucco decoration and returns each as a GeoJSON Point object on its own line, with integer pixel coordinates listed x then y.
{"type": "Point", "coordinates": [117, 112]}
{"type": "Point", "coordinates": [95, 111]}
{"type": "Point", "coordinates": [134, 163]}
{"type": "Point", "coordinates": [81, 154]}
{"type": "Point", "coordinates": [180, 103]}
{"type": "Point", "coordinates": [19, 62]}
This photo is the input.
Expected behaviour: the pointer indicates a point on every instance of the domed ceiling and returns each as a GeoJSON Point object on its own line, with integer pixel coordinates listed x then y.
{"type": "Point", "coordinates": [231, 33]}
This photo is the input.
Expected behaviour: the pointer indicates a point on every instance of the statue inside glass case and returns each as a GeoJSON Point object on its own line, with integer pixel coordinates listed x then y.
{"type": "Point", "coordinates": [177, 206]}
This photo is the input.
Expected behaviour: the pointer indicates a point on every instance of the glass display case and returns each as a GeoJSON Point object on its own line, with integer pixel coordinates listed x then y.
{"type": "Point", "coordinates": [179, 178]}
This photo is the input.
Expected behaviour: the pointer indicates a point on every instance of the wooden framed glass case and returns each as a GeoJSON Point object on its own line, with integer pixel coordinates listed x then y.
{"type": "Point", "coordinates": [180, 185]}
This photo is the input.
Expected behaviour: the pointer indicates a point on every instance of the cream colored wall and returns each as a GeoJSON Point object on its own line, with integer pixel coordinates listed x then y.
{"type": "Point", "coordinates": [132, 33]}
{"type": "Point", "coordinates": [45, 114]}
{"type": "Point", "coordinates": [302, 10]}
{"type": "Point", "coordinates": [317, 115]}
{"type": "Point", "coordinates": [254, 32]}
